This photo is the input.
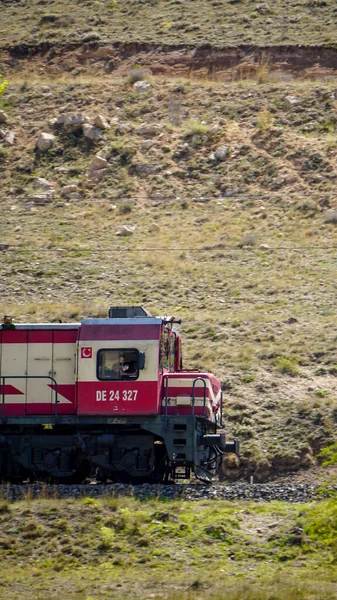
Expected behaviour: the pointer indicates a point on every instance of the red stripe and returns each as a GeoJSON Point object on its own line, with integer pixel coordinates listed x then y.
{"type": "Point", "coordinates": [119, 332]}
{"type": "Point", "coordinates": [65, 336]}
{"type": "Point", "coordinates": [39, 336]}
{"type": "Point", "coordinates": [10, 390]}
{"type": "Point", "coordinates": [14, 336]}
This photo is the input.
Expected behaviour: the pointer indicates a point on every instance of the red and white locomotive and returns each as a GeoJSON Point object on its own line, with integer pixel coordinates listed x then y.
{"type": "Point", "coordinates": [106, 397]}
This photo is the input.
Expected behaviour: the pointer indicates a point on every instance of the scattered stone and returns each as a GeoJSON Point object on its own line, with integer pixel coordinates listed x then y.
{"type": "Point", "coordinates": [42, 199]}
{"type": "Point", "coordinates": [101, 122]}
{"type": "Point", "coordinates": [126, 230]}
{"type": "Point", "coordinates": [98, 175]}
{"type": "Point", "coordinates": [221, 153]}
{"type": "Point", "coordinates": [278, 181]}
{"type": "Point", "coordinates": [141, 169]}
{"type": "Point", "coordinates": [9, 138]}
{"type": "Point", "coordinates": [3, 117]}
{"type": "Point", "coordinates": [40, 183]}
{"type": "Point", "coordinates": [72, 121]}
{"type": "Point", "coordinates": [98, 163]}
{"type": "Point", "coordinates": [45, 141]}
{"type": "Point", "coordinates": [264, 247]}
{"type": "Point", "coordinates": [149, 130]}
{"type": "Point", "coordinates": [154, 228]}
{"type": "Point", "coordinates": [69, 189]}
{"type": "Point", "coordinates": [291, 101]}
{"type": "Point", "coordinates": [141, 87]}
{"type": "Point", "coordinates": [146, 145]}
{"type": "Point", "coordinates": [91, 132]}
{"type": "Point", "coordinates": [74, 196]}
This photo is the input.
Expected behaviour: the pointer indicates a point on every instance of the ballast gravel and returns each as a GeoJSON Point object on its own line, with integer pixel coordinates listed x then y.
{"type": "Point", "coordinates": [264, 492]}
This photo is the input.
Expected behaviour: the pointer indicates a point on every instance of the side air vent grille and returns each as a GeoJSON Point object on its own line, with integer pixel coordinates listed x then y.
{"type": "Point", "coordinates": [127, 312]}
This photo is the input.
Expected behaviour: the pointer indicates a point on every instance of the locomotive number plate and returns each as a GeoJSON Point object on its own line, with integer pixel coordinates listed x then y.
{"type": "Point", "coordinates": [116, 395]}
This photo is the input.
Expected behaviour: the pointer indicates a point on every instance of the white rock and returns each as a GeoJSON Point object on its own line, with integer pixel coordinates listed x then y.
{"type": "Point", "coordinates": [221, 153]}
{"type": "Point", "coordinates": [3, 117]}
{"type": "Point", "coordinates": [292, 101]}
{"type": "Point", "coordinates": [126, 230]}
{"type": "Point", "coordinates": [70, 189]}
{"type": "Point", "coordinates": [154, 228]}
{"type": "Point", "coordinates": [42, 198]}
{"type": "Point", "coordinates": [101, 122]}
{"type": "Point", "coordinates": [9, 138]}
{"type": "Point", "coordinates": [91, 132]}
{"type": "Point", "coordinates": [264, 247]}
{"type": "Point", "coordinates": [72, 121]}
{"type": "Point", "coordinates": [98, 163]}
{"type": "Point", "coordinates": [142, 86]}
{"type": "Point", "coordinates": [45, 141]}
{"type": "Point", "coordinates": [40, 183]}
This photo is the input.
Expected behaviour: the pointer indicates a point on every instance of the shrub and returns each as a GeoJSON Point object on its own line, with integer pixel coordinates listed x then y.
{"type": "Point", "coordinates": [3, 85]}
{"type": "Point", "coordinates": [137, 74]}
{"type": "Point", "coordinates": [195, 127]}
{"type": "Point", "coordinates": [287, 365]}
{"type": "Point", "coordinates": [264, 120]}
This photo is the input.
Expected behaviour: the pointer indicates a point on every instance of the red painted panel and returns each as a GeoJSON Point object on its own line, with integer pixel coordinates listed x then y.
{"type": "Point", "coordinates": [36, 409]}
{"type": "Point", "coordinates": [65, 336]}
{"type": "Point", "coordinates": [42, 336]}
{"type": "Point", "coordinates": [119, 332]}
{"type": "Point", "coordinates": [14, 336]}
{"type": "Point", "coordinates": [117, 398]}
{"type": "Point", "coordinates": [187, 410]}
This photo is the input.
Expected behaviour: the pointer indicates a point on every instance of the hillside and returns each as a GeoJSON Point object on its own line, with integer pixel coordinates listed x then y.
{"type": "Point", "coordinates": [194, 181]}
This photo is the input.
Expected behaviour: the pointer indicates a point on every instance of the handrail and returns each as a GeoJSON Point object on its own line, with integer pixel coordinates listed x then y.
{"type": "Point", "coordinates": [193, 394]}
{"type": "Point", "coordinates": [3, 380]}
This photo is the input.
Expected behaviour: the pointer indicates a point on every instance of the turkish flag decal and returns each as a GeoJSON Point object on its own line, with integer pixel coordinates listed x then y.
{"type": "Point", "coordinates": [86, 352]}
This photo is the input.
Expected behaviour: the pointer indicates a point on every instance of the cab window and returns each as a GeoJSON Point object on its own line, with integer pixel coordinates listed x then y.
{"type": "Point", "coordinates": [117, 364]}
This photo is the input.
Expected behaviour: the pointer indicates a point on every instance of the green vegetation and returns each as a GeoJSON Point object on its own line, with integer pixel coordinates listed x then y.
{"type": "Point", "coordinates": [126, 548]}
{"type": "Point", "coordinates": [191, 22]}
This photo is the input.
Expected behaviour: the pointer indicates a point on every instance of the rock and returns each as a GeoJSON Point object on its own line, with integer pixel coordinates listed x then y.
{"type": "Point", "coordinates": [74, 196]}
{"type": "Point", "coordinates": [40, 183]}
{"type": "Point", "coordinates": [126, 230]}
{"type": "Point", "coordinates": [278, 181]}
{"type": "Point", "coordinates": [291, 101]}
{"type": "Point", "coordinates": [101, 122]}
{"type": "Point", "coordinates": [141, 87]}
{"type": "Point", "coordinates": [98, 163]}
{"type": "Point", "coordinates": [141, 169]}
{"type": "Point", "coordinates": [123, 128]}
{"type": "Point", "coordinates": [3, 117]}
{"type": "Point", "coordinates": [42, 199]}
{"type": "Point", "coordinates": [264, 247]}
{"type": "Point", "coordinates": [69, 189]}
{"type": "Point", "coordinates": [9, 138]}
{"type": "Point", "coordinates": [97, 175]}
{"type": "Point", "coordinates": [72, 121]}
{"type": "Point", "coordinates": [221, 152]}
{"type": "Point", "coordinates": [149, 130]}
{"type": "Point", "coordinates": [45, 141]}
{"type": "Point", "coordinates": [154, 228]}
{"type": "Point", "coordinates": [91, 132]}
{"type": "Point", "coordinates": [146, 145]}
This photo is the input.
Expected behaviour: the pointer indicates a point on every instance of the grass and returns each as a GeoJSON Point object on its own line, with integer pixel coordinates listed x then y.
{"type": "Point", "coordinates": [249, 269]}
{"type": "Point", "coordinates": [191, 22]}
{"type": "Point", "coordinates": [122, 547]}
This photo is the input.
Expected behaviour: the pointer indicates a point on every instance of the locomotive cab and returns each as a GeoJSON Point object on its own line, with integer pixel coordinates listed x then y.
{"type": "Point", "coordinates": [114, 397]}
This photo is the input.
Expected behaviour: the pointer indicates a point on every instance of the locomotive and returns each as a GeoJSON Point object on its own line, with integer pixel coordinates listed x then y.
{"type": "Point", "coordinates": [106, 398]}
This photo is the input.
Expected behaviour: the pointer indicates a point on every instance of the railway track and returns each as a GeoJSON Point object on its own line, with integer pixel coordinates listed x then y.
{"type": "Point", "coordinates": [264, 492]}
